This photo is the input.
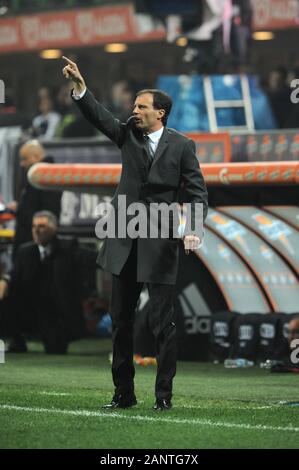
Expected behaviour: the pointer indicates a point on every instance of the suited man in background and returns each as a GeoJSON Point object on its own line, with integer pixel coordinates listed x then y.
{"type": "Point", "coordinates": [32, 199]}
{"type": "Point", "coordinates": [155, 162]}
{"type": "Point", "coordinates": [45, 289]}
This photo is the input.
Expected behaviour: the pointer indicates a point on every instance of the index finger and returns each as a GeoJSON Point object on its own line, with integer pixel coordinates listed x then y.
{"type": "Point", "coordinates": [69, 61]}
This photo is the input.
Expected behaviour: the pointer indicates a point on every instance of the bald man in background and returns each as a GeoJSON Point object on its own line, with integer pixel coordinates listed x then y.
{"type": "Point", "coordinates": [293, 329]}
{"type": "Point", "coordinates": [32, 199]}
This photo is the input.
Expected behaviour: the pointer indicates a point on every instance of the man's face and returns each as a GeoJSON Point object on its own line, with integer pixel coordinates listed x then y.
{"type": "Point", "coordinates": [147, 118]}
{"type": "Point", "coordinates": [28, 157]}
{"type": "Point", "coordinates": [42, 231]}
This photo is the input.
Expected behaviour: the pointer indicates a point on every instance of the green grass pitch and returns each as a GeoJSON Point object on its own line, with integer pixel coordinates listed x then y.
{"type": "Point", "coordinates": [55, 402]}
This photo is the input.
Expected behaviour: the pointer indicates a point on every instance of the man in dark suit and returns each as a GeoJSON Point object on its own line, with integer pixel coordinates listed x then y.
{"type": "Point", "coordinates": [32, 199]}
{"type": "Point", "coordinates": [45, 288]}
{"type": "Point", "coordinates": [155, 162]}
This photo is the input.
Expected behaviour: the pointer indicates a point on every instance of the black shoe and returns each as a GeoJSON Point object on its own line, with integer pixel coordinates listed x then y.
{"type": "Point", "coordinates": [162, 404]}
{"type": "Point", "coordinates": [121, 401]}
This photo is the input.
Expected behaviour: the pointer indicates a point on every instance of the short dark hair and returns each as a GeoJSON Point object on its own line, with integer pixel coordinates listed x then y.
{"type": "Point", "coordinates": [50, 216]}
{"type": "Point", "coordinates": [160, 101]}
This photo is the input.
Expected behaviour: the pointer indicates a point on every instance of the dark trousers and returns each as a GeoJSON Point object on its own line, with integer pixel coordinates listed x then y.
{"type": "Point", "coordinates": [125, 294]}
{"type": "Point", "coordinates": [32, 314]}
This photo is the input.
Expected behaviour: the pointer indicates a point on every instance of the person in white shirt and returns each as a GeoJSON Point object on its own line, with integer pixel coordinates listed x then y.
{"type": "Point", "coordinates": [45, 124]}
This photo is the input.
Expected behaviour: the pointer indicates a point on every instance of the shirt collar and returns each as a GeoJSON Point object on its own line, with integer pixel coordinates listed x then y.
{"type": "Point", "coordinates": [44, 249]}
{"type": "Point", "coordinates": [155, 136]}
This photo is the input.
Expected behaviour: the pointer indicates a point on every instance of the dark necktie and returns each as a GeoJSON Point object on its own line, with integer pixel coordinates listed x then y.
{"type": "Point", "coordinates": [149, 151]}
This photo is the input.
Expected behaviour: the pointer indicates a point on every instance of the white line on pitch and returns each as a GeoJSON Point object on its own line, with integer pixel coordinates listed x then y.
{"type": "Point", "coordinates": [191, 407]}
{"type": "Point", "coordinates": [198, 422]}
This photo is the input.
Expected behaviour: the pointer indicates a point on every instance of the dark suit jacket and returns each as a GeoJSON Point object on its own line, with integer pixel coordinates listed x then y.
{"type": "Point", "coordinates": [51, 291]}
{"type": "Point", "coordinates": [174, 164]}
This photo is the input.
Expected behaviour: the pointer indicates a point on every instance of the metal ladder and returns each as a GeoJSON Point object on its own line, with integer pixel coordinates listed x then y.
{"type": "Point", "coordinates": [212, 105]}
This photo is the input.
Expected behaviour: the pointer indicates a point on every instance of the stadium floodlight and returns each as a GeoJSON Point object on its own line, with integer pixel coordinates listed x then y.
{"type": "Point", "coordinates": [263, 35]}
{"type": "Point", "coordinates": [116, 47]}
{"type": "Point", "coordinates": [51, 54]}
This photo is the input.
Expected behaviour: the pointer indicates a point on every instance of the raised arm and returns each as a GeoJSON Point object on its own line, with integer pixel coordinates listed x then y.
{"type": "Point", "coordinates": [94, 112]}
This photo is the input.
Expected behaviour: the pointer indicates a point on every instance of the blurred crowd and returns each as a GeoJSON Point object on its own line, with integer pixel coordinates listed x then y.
{"type": "Point", "coordinates": [56, 116]}
{"type": "Point", "coordinates": [218, 35]}
{"type": "Point", "coordinates": [279, 89]}
{"type": "Point", "coordinates": [21, 7]}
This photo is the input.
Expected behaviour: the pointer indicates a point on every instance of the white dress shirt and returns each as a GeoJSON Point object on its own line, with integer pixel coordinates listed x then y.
{"type": "Point", "coordinates": [154, 138]}
{"type": "Point", "coordinates": [44, 251]}
{"type": "Point", "coordinates": [78, 97]}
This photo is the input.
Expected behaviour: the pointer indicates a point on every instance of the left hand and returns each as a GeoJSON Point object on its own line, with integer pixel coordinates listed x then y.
{"type": "Point", "coordinates": [191, 242]}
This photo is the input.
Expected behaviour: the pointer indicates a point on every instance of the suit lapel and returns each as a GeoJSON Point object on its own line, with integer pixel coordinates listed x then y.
{"type": "Point", "coordinates": [162, 146]}
{"type": "Point", "coordinates": [139, 142]}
